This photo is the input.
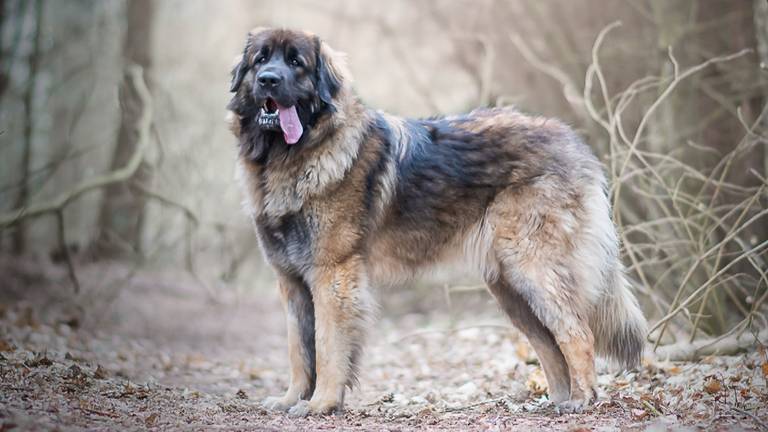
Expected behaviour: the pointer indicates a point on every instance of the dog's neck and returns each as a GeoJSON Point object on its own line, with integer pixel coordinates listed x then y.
{"type": "Point", "coordinates": [286, 180]}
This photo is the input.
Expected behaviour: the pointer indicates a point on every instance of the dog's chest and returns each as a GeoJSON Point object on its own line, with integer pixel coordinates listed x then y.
{"type": "Point", "coordinates": [287, 240]}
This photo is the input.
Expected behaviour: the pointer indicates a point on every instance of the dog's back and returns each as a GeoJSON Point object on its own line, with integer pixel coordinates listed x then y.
{"type": "Point", "coordinates": [344, 197]}
{"type": "Point", "coordinates": [525, 200]}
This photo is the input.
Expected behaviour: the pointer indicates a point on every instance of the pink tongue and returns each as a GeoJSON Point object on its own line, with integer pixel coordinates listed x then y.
{"type": "Point", "coordinates": [289, 122]}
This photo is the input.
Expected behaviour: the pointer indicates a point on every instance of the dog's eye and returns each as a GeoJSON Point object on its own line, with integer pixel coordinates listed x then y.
{"type": "Point", "coordinates": [295, 62]}
{"type": "Point", "coordinates": [259, 59]}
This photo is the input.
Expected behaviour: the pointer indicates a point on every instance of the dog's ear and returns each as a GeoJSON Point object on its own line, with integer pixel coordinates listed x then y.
{"type": "Point", "coordinates": [241, 68]}
{"type": "Point", "coordinates": [331, 72]}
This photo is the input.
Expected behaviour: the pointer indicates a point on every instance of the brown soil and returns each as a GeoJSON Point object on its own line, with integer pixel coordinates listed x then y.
{"type": "Point", "coordinates": [152, 351]}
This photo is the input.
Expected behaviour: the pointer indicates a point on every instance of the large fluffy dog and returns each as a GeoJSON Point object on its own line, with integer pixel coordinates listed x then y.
{"type": "Point", "coordinates": [345, 198]}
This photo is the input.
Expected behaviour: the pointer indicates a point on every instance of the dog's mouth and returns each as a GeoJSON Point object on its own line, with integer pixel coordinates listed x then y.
{"type": "Point", "coordinates": [274, 117]}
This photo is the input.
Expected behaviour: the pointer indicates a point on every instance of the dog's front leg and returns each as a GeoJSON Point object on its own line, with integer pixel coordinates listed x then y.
{"type": "Point", "coordinates": [342, 311]}
{"type": "Point", "coordinates": [300, 321]}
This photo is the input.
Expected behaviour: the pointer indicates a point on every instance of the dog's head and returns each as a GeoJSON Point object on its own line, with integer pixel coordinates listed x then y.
{"type": "Point", "coordinates": [285, 82]}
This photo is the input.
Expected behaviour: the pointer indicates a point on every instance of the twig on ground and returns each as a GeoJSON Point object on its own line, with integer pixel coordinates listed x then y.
{"type": "Point", "coordinates": [733, 344]}
{"type": "Point", "coordinates": [476, 404]}
{"type": "Point", "coordinates": [754, 418]}
{"type": "Point", "coordinates": [652, 408]}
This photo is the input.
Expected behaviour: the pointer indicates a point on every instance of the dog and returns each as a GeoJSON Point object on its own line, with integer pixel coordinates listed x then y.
{"type": "Point", "coordinates": [344, 198]}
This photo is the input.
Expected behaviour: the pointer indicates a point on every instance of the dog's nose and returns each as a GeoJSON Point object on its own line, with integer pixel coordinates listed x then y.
{"type": "Point", "coordinates": [268, 79]}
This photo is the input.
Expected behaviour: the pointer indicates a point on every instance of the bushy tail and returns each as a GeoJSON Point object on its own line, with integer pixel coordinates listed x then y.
{"type": "Point", "coordinates": [618, 324]}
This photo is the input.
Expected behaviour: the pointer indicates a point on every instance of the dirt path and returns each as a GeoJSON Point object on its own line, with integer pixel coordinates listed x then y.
{"type": "Point", "coordinates": [154, 353]}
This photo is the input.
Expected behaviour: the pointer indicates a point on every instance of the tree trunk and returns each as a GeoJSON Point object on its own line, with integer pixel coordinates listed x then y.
{"type": "Point", "coordinates": [3, 78]}
{"type": "Point", "coordinates": [19, 239]}
{"type": "Point", "coordinates": [673, 20]}
{"type": "Point", "coordinates": [761, 35]}
{"type": "Point", "coordinates": [122, 212]}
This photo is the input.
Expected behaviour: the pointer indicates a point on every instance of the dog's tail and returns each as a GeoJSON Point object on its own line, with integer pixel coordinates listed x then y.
{"type": "Point", "coordinates": [618, 323]}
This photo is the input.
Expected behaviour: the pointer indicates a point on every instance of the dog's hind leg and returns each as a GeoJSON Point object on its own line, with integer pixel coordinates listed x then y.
{"type": "Point", "coordinates": [555, 298]}
{"type": "Point", "coordinates": [300, 321]}
{"type": "Point", "coordinates": [552, 297]}
{"type": "Point", "coordinates": [540, 338]}
{"type": "Point", "coordinates": [550, 259]}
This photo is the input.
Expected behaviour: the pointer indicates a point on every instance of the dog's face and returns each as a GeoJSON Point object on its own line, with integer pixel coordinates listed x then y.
{"type": "Point", "coordinates": [284, 82]}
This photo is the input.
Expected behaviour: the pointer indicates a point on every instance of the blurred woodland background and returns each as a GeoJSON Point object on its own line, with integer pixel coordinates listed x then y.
{"type": "Point", "coordinates": [114, 153]}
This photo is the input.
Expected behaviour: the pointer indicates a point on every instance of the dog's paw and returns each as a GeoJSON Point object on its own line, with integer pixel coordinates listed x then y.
{"type": "Point", "coordinates": [304, 408]}
{"type": "Point", "coordinates": [278, 403]}
{"type": "Point", "coordinates": [301, 409]}
{"type": "Point", "coordinates": [573, 406]}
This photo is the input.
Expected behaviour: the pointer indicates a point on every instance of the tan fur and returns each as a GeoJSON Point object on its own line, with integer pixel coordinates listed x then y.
{"type": "Point", "coordinates": [370, 199]}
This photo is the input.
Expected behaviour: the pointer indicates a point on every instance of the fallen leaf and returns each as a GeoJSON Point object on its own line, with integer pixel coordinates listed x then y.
{"type": "Point", "coordinates": [100, 373]}
{"type": "Point", "coordinates": [537, 382]}
{"type": "Point", "coordinates": [254, 374]}
{"type": "Point", "coordinates": [620, 383]}
{"type": "Point", "coordinates": [197, 361]}
{"type": "Point", "coordinates": [91, 409]}
{"type": "Point", "coordinates": [151, 419]}
{"type": "Point", "coordinates": [135, 391]}
{"type": "Point", "coordinates": [5, 346]}
{"type": "Point", "coordinates": [712, 386]}
{"type": "Point", "coordinates": [523, 351]}
{"type": "Point", "coordinates": [75, 380]}
{"type": "Point", "coordinates": [40, 359]}
{"type": "Point", "coordinates": [639, 414]}
{"type": "Point", "coordinates": [764, 367]}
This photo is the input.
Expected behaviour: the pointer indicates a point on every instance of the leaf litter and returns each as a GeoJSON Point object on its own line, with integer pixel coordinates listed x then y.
{"type": "Point", "coordinates": [200, 366]}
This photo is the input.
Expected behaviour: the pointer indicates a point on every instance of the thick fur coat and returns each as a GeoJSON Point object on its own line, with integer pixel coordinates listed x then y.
{"type": "Point", "coordinates": [365, 198]}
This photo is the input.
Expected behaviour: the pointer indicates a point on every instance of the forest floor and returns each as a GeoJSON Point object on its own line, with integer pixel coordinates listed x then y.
{"type": "Point", "coordinates": [154, 352]}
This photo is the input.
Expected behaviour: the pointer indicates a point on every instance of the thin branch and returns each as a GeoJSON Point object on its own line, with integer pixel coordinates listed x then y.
{"type": "Point", "coordinates": [687, 351]}
{"type": "Point", "coordinates": [672, 86]}
{"type": "Point", "coordinates": [122, 174]}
